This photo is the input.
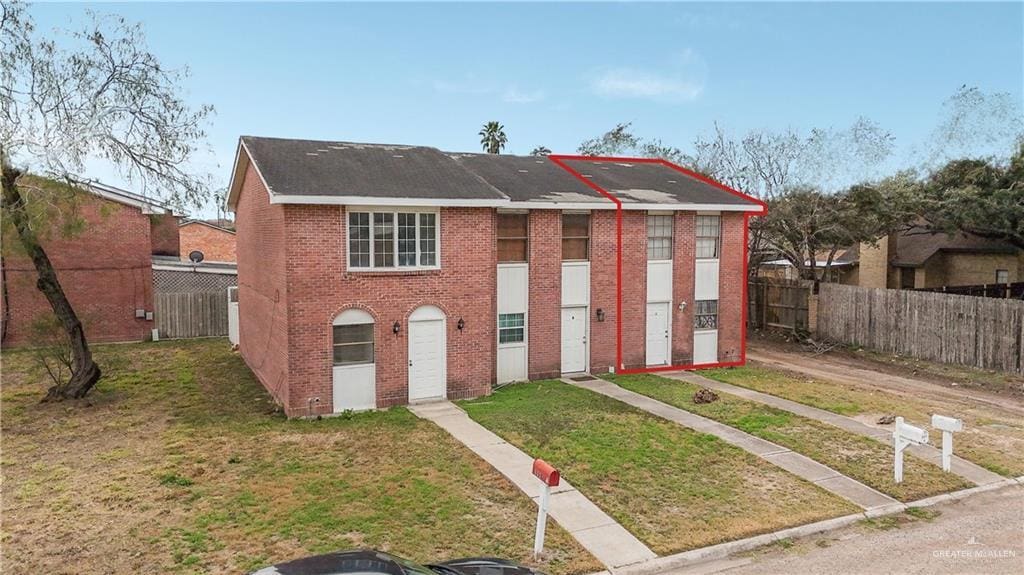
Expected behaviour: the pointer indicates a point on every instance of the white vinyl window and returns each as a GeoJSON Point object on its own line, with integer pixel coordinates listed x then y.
{"type": "Point", "coordinates": [1002, 276]}
{"type": "Point", "coordinates": [353, 344]}
{"type": "Point", "coordinates": [511, 328]}
{"type": "Point", "coordinates": [705, 316]}
{"type": "Point", "coordinates": [709, 229]}
{"type": "Point", "coordinates": [399, 239]}
{"type": "Point", "coordinates": [659, 237]}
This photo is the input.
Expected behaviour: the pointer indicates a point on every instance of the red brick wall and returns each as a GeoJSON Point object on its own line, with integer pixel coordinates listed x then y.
{"type": "Point", "coordinates": [217, 245]}
{"type": "Point", "coordinates": [320, 287]}
{"type": "Point", "coordinates": [603, 249]}
{"type": "Point", "coordinates": [163, 232]}
{"type": "Point", "coordinates": [105, 271]}
{"type": "Point", "coordinates": [732, 275]}
{"type": "Point", "coordinates": [262, 290]}
{"type": "Point", "coordinates": [683, 272]}
{"type": "Point", "coordinates": [545, 315]}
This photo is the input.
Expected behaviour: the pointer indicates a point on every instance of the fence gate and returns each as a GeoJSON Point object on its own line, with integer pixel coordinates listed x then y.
{"type": "Point", "coordinates": [182, 315]}
{"type": "Point", "coordinates": [777, 304]}
{"type": "Point", "coordinates": [233, 315]}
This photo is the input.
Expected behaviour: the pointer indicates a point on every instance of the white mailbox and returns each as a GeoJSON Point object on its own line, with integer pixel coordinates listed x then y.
{"type": "Point", "coordinates": [903, 437]}
{"type": "Point", "coordinates": [947, 425]}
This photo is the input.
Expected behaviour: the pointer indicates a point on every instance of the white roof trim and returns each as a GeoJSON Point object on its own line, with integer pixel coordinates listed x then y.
{"type": "Point", "coordinates": [186, 267]}
{"type": "Point", "coordinates": [129, 199]}
{"type": "Point", "coordinates": [502, 203]}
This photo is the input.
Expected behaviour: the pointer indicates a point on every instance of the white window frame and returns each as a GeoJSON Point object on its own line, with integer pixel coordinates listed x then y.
{"type": "Point", "coordinates": [696, 314]}
{"type": "Point", "coordinates": [394, 211]}
{"type": "Point", "coordinates": [671, 235]}
{"type": "Point", "coordinates": [524, 327]}
{"type": "Point", "coordinates": [698, 237]}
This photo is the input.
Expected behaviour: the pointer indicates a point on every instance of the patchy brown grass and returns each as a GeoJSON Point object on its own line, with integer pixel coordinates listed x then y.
{"type": "Point", "coordinates": [178, 463]}
{"type": "Point", "coordinates": [673, 488]}
{"type": "Point", "coordinates": [861, 458]}
{"type": "Point", "coordinates": [991, 438]}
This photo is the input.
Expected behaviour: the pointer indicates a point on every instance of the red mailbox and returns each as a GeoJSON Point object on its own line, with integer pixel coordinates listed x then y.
{"type": "Point", "coordinates": [545, 472]}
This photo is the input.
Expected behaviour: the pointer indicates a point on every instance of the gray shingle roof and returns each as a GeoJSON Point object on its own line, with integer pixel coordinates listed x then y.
{"type": "Point", "coordinates": [314, 168]}
{"type": "Point", "coordinates": [651, 183]}
{"type": "Point", "coordinates": [345, 169]}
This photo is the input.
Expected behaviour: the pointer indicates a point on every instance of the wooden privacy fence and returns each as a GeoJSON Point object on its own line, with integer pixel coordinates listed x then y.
{"type": "Point", "coordinates": [199, 314]}
{"type": "Point", "coordinates": [965, 330]}
{"type": "Point", "coordinates": [775, 303]}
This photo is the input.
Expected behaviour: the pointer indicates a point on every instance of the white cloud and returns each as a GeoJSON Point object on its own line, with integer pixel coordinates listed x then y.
{"type": "Point", "coordinates": [513, 95]}
{"type": "Point", "coordinates": [472, 86]}
{"type": "Point", "coordinates": [684, 81]}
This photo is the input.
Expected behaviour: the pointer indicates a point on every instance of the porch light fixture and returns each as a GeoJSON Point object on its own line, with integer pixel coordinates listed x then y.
{"type": "Point", "coordinates": [461, 324]}
{"type": "Point", "coordinates": [600, 314]}
{"type": "Point", "coordinates": [396, 328]}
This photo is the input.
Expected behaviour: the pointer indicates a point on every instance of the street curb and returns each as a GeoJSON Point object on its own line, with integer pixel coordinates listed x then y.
{"type": "Point", "coordinates": [722, 550]}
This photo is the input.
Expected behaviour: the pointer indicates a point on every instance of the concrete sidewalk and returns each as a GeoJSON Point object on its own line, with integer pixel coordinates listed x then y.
{"type": "Point", "coordinates": [797, 464]}
{"type": "Point", "coordinates": [969, 471]}
{"type": "Point", "coordinates": [601, 535]}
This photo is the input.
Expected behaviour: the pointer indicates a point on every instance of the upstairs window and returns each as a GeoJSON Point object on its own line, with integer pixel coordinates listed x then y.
{"type": "Point", "coordinates": [1002, 276]}
{"type": "Point", "coordinates": [709, 231]}
{"type": "Point", "coordinates": [513, 238]}
{"type": "Point", "coordinates": [392, 240]}
{"type": "Point", "coordinates": [575, 237]}
{"type": "Point", "coordinates": [659, 238]}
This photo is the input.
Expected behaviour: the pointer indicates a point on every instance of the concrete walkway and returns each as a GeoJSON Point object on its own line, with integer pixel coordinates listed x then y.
{"type": "Point", "coordinates": [797, 464]}
{"type": "Point", "coordinates": [969, 471]}
{"type": "Point", "coordinates": [601, 535]}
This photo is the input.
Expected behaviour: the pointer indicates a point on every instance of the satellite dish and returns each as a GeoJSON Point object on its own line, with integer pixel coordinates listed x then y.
{"type": "Point", "coordinates": [196, 256]}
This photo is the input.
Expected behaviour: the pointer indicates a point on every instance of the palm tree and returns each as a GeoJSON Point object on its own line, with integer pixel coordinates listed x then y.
{"type": "Point", "coordinates": [493, 138]}
{"type": "Point", "coordinates": [541, 151]}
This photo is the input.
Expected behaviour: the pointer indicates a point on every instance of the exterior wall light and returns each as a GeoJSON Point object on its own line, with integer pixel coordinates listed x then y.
{"type": "Point", "coordinates": [396, 328]}
{"type": "Point", "coordinates": [461, 324]}
{"type": "Point", "coordinates": [600, 314]}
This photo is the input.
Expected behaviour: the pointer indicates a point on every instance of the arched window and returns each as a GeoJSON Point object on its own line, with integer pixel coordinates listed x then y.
{"type": "Point", "coordinates": [353, 337]}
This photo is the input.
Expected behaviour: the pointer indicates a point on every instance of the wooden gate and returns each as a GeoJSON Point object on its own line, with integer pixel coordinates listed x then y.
{"type": "Point", "coordinates": [182, 315]}
{"type": "Point", "coordinates": [777, 304]}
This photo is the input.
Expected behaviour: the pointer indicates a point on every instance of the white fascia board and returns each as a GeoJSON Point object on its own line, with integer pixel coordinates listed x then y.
{"type": "Point", "coordinates": [237, 175]}
{"type": "Point", "coordinates": [197, 269]}
{"type": "Point", "coordinates": [374, 201]}
{"type": "Point", "coordinates": [639, 206]}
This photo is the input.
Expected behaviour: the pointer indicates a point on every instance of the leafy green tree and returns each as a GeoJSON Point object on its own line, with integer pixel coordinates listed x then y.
{"type": "Point", "coordinates": [540, 151]}
{"type": "Point", "coordinates": [493, 138]}
{"type": "Point", "coordinates": [108, 98]}
{"type": "Point", "coordinates": [981, 197]}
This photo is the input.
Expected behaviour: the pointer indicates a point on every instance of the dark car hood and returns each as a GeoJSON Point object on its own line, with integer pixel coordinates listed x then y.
{"type": "Point", "coordinates": [489, 566]}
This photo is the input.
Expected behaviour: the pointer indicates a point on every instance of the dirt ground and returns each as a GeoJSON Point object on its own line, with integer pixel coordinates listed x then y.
{"type": "Point", "coordinates": [901, 374]}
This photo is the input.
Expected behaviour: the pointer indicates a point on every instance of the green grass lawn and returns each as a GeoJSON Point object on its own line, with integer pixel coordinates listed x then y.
{"type": "Point", "coordinates": [178, 463]}
{"type": "Point", "coordinates": [673, 488]}
{"type": "Point", "coordinates": [861, 458]}
{"type": "Point", "coordinates": [992, 438]}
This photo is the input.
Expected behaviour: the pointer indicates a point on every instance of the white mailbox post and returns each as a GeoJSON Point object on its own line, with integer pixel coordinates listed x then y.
{"type": "Point", "coordinates": [903, 437]}
{"type": "Point", "coordinates": [947, 425]}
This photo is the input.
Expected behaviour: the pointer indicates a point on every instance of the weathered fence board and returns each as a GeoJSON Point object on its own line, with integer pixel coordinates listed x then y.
{"type": "Point", "coordinates": [774, 303]}
{"type": "Point", "coordinates": [183, 315]}
{"type": "Point", "coordinates": [975, 331]}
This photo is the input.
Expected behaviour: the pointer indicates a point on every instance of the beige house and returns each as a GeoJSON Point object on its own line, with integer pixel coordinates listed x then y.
{"type": "Point", "coordinates": [918, 259]}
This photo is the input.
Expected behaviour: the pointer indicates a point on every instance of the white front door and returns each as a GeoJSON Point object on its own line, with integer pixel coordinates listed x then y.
{"type": "Point", "coordinates": [658, 331]}
{"type": "Point", "coordinates": [427, 378]}
{"type": "Point", "coordinates": [574, 339]}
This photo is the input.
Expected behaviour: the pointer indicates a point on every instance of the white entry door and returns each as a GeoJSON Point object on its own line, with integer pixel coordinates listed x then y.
{"type": "Point", "coordinates": [574, 339]}
{"type": "Point", "coordinates": [658, 333]}
{"type": "Point", "coordinates": [427, 355]}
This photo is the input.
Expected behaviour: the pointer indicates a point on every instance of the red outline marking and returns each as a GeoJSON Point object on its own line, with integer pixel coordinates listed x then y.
{"type": "Point", "coordinates": [557, 159]}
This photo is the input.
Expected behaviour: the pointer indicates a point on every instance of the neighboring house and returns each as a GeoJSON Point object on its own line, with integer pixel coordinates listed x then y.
{"type": "Point", "coordinates": [216, 242]}
{"type": "Point", "coordinates": [378, 275]}
{"type": "Point", "coordinates": [916, 258]}
{"type": "Point", "coordinates": [105, 270]}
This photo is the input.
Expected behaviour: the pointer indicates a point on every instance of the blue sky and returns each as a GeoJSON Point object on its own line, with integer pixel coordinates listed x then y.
{"type": "Point", "coordinates": [555, 75]}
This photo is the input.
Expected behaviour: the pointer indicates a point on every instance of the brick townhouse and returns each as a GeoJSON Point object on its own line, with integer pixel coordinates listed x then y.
{"type": "Point", "coordinates": [215, 242]}
{"type": "Point", "coordinates": [377, 275]}
{"type": "Point", "coordinates": [105, 269]}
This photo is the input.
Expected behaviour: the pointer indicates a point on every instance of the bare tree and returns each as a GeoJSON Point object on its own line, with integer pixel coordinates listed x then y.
{"type": "Point", "coordinates": [108, 98]}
